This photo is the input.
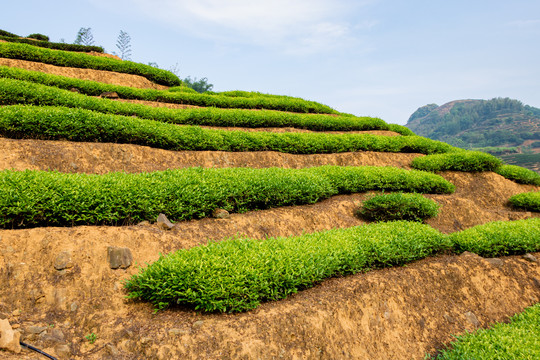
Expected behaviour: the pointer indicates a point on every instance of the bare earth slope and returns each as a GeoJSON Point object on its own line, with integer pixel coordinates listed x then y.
{"type": "Point", "coordinates": [397, 313]}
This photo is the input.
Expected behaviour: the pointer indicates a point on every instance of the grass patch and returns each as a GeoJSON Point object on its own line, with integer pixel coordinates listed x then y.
{"type": "Point", "coordinates": [468, 161]}
{"type": "Point", "coordinates": [52, 45]}
{"type": "Point", "coordinates": [499, 238]}
{"type": "Point", "coordinates": [12, 50]}
{"type": "Point", "coordinates": [398, 206]}
{"type": "Point", "coordinates": [238, 274]}
{"type": "Point", "coordinates": [59, 123]}
{"type": "Point", "coordinates": [520, 339]}
{"type": "Point", "coordinates": [519, 174]}
{"type": "Point", "coordinates": [529, 201]}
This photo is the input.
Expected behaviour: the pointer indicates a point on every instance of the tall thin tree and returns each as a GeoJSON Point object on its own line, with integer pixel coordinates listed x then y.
{"type": "Point", "coordinates": [124, 45]}
{"type": "Point", "coordinates": [84, 37]}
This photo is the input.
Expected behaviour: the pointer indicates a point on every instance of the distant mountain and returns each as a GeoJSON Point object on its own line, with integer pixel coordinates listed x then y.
{"type": "Point", "coordinates": [501, 126]}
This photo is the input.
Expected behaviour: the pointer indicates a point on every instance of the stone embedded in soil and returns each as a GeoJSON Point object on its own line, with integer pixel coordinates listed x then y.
{"type": "Point", "coordinates": [63, 261]}
{"type": "Point", "coordinates": [220, 214]}
{"type": "Point", "coordinates": [119, 257]}
{"type": "Point", "coordinates": [63, 351]}
{"type": "Point", "coordinates": [109, 95]}
{"type": "Point", "coordinates": [530, 257]}
{"type": "Point", "coordinates": [36, 329]}
{"type": "Point", "coordinates": [164, 223]}
{"type": "Point", "coordinates": [472, 318]}
{"type": "Point", "coordinates": [197, 324]}
{"type": "Point", "coordinates": [176, 331]}
{"type": "Point", "coordinates": [112, 350]}
{"type": "Point", "coordinates": [495, 261]}
{"type": "Point", "coordinates": [9, 339]}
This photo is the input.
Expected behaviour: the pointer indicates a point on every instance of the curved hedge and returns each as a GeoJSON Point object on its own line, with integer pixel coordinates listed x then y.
{"type": "Point", "coordinates": [53, 45]}
{"type": "Point", "coordinates": [41, 198]}
{"type": "Point", "coordinates": [24, 92]}
{"type": "Point", "coordinates": [519, 174]}
{"type": "Point", "coordinates": [499, 238]}
{"type": "Point", "coordinates": [238, 274]}
{"type": "Point", "coordinates": [57, 123]}
{"type": "Point", "coordinates": [182, 95]}
{"type": "Point", "coordinates": [81, 60]}
{"type": "Point", "coordinates": [457, 161]}
{"type": "Point", "coordinates": [529, 201]}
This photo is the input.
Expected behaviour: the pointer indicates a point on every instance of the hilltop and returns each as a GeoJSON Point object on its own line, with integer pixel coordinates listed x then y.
{"type": "Point", "coordinates": [500, 126]}
{"type": "Point", "coordinates": [140, 219]}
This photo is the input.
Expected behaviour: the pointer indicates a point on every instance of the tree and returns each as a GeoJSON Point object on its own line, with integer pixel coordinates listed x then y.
{"type": "Point", "coordinates": [200, 85]}
{"type": "Point", "coordinates": [124, 45]}
{"type": "Point", "coordinates": [85, 37]}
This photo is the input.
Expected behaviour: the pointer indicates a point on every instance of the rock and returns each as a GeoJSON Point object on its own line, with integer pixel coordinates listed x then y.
{"type": "Point", "coordinates": [197, 324]}
{"type": "Point", "coordinates": [176, 331]}
{"type": "Point", "coordinates": [119, 257]}
{"type": "Point", "coordinates": [63, 351]}
{"type": "Point", "coordinates": [530, 257]}
{"type": "Point", "coordinates": [16, 312]}
{"type": "Point", "coordinates": [472, 318]}
{"type": "Point", "coordinates": [495, 261]}
{"type": "Point", "coordinates": [36, 329]}
{"type": "Point", "coordinates": [112, 350]}
{"type": "Point", "coordinates": [109, 95]}
{"type": "Point", "coordinates": [63, 261]}
{"type": "Point", "coordinates": [144, 223]}
{"type": "Point", "coordinates": [221, 214]}
{"type": "Point", "coordinates": [9, 339]}
{"type": "Point", "coordinates": [164, 223]}
{"type": "Point", "coordinates": [74, 306]}
{"type": "Point", "coordinates": [75, 90]}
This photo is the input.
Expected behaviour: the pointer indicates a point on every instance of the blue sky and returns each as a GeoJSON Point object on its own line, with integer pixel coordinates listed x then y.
{"type": "Point", "coordinates": [373, 57]}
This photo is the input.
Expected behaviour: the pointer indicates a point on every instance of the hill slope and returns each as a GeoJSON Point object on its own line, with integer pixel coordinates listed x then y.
{"type": "Point", "coordinates": [66, 283]}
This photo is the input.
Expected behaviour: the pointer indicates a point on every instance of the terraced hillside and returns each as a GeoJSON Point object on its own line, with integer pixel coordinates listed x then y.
{"type": "Point", "coordinates": [267, 257]}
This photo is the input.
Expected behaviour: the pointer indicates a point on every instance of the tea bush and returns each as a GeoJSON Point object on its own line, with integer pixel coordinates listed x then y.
{"type": "Point", "coordinates": [458, 160]}
{"type": "Point", "coordinates": [529, 201]}
{"type": "Point", "coordinates": [238, 274]}
{"type": "Point", "coordinates": [518, 339]}
{"type": "Point", "coordinates": [18, 51]}
{"type": "Point", "coordinates": [41, 198]}
{"type": "Point", "coordinates": [519, 174]}
{"type": "Point", "coordinates": [178, 95]}
{"type": "Point", "coordinates": [53, 45]}
{"type": "Point", "coordinates": [499, 238]}
{"type": "Point", "coordinates": [398, 206]}
{"type": "Point", "coordinates": [56, 123]}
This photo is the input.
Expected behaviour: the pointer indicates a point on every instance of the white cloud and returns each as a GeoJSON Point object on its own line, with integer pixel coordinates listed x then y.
{"type": "Point", "coordinates": [294, 26]}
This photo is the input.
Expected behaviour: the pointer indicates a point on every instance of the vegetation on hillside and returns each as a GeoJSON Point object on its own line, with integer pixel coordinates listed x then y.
{"type": "Point", "coordinates": [519, 339]}
{"type": "Point", "coordinates": [398, 206]}
{"type": "Point", "coordinates": [42, 198]}
{"type": "Point", "coordinates": [478, 123]}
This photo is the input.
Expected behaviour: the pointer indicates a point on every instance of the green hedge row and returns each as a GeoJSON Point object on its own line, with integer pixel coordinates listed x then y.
{"type": "Point", "coordinates": [398, 206]}
{"type": "Point", "coordinates": [528, 201]}
{"type": "Point", "coordinates": [499, 238]}
{"type": "Point", "coordinates": [40, 198]}
{"type": "Point", "coordinates": [59, 123]}
{"type": "Point", "coordinates": [238, 274]}
{"type": "Point", "coordinates": [53, 45]}
{"type": "Point", "coordinates": [185, 96]}
{"type": "Point", "coordinates": [24, 92]}
{"type": "Point", "coordinates": [518, 339]}
{"type": "Point", "coordinates": [519, 174]}
{"type": "Point", "coordinates": [458, 161]}
{"type": "Point", "coordinates": [81, 60]}
{"type": "Point", "coordinates": [7, 33]}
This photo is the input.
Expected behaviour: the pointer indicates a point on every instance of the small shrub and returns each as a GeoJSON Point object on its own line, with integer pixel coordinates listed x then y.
{"type": "Point", "coordinates": [519, 174]}
{"type": "Point", "coordinates": [38, 37]}
{"type": "Point", "coordinates": [398, 206]}
{"type": "Point", "coordinates": [529, 201]}
{"type": "Point", "coordinates": [457, 161]}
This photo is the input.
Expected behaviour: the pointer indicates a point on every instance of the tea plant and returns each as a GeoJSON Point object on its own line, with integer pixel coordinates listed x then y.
{"type": "Point", "coordinates": [398, 206]}
{"type": "Point", "coordinates": [529, 201]}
